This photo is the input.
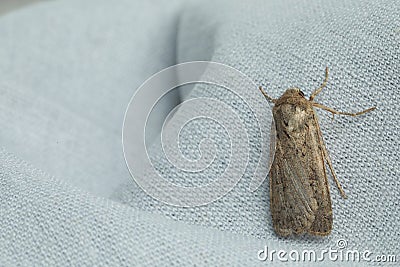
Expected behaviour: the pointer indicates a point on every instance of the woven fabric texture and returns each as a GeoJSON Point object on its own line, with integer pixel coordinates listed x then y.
{"type": "Point", "coordinates": [65, 122]}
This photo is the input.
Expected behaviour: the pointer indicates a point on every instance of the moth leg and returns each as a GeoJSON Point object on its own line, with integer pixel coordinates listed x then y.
{"type": "Point", "coordinates": [269, 98]}
{"type": "Point", "coordinates": [335, 112]}
{"type": "Point", "coordinates": [319, 89]}
{"type": "Point", "coordinates": [325, 151]}
{"type": "Point", "coordinates": [328, 160]}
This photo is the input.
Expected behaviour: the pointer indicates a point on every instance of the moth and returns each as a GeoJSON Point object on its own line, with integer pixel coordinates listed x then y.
{"type": "Point", "coordinates": [299, 189]}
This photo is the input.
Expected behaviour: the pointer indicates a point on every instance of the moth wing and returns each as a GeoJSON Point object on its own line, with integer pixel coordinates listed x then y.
{"type": "Point", "coordinates": [293, 204]}
{"type": "Point", "coordinates": [300, 200]}
{"type": "Point", "coordinates": [323, 221]}
{"type": "Point", "coordinates": [272, 145]}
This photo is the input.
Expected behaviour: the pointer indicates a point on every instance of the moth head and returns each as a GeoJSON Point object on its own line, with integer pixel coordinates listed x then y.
{"type": "Point", "coordinates": [293, 92]}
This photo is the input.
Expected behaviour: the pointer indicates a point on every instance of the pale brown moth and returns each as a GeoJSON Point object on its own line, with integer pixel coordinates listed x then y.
{"type": "Point", "coordinates": [299, 189]}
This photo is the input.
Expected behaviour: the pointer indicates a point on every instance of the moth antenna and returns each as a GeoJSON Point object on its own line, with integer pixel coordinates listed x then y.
{"type": "Point", "coordinates": [319, 89]}
{"type": "Point", "coordinates": [269, 98]}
